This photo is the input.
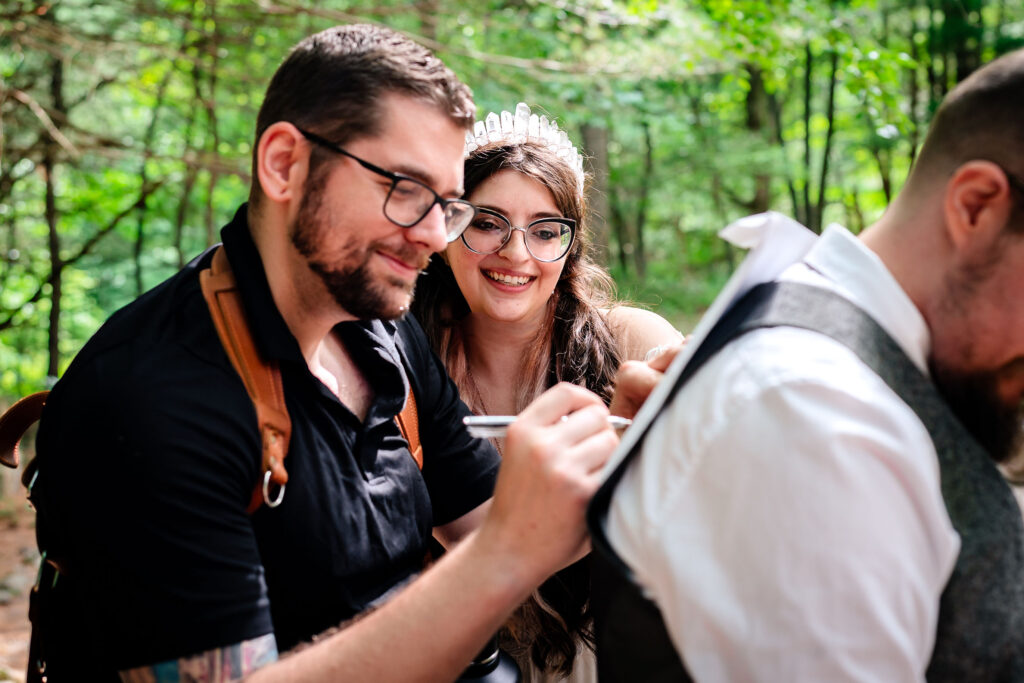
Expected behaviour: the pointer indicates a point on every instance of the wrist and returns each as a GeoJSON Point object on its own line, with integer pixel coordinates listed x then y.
{"type": "Point", "coordinates": [512, 573]}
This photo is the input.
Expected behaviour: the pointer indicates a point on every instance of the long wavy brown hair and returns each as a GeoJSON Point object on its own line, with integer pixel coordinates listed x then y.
{"type": "Point", "coordinates": [575, 344]}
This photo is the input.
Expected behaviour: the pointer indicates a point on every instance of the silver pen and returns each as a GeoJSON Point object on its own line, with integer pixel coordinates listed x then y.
{"type": "Point", "coordinates": [495, 426]}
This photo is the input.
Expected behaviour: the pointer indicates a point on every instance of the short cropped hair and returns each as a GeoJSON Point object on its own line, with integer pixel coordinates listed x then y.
{"type": "Point", "coordinates": [332, 82]}
{"type": "Point", "coordinates": [982, 118]}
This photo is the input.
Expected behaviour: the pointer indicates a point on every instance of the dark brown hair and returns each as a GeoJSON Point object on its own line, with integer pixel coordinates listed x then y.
{"type": "Point", "coordinates": [982, 118]}
{"type": "Point", "coordinates": [574, 345]}
{"type": "Point", "coordinates": [576, 342]}
{"type": "Point", "coordinates": [332, 82]}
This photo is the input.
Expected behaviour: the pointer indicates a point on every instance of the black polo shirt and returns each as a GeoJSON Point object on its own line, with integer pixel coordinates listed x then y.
{"type": "Point", "coordinates": [149, 454]}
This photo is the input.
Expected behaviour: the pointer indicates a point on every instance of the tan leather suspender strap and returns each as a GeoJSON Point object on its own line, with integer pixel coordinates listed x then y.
{"type": "Point", "coordinates": [262, 379]}
{"type": "Point", "coordinates": [409, 425]}
{"type": "Point", "coordinates": [13, 424]}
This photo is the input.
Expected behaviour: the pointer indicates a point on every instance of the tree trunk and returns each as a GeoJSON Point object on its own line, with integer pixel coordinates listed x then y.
{"type": "Point", "coordinates": [639, 255]}
{"type": "Point", "coordinates": [182, 214]}
{"type": "Point", "coordinates": [617, 222]}
{"type": "Point", "coordinates": [429, 11]}
{"type": "Point", "coordinates": [913, 88]}
{"type": "Point", "coordinates": [965, 38]}
{"type": "Point", "coordinates": [932, 50]}
{"type": "Point", "coordinates": [883, 153]}
{"type": "Point", "coordinates": [211, 117]}
{"type": "Point", "coordinates": [854, 215]}
{"type": "Point", "coordinates": [192, 144]}
{"type": "Point", "coordinates": [595, 142]}
{"type": "Point", "coordinates": [775, 109]}
{"type": "Point", "coordinates": [826, 154]}
{"type": "Point", "coordinates": [52, 219]}
{"type": "Point", "coordinates": [757, 120]}
{"type": "Point", "coordinates": [620, 226]}
{"type": "Point", "coordinates": [804, 214]}
{"type": "Point", "coordinates": [140, 228]}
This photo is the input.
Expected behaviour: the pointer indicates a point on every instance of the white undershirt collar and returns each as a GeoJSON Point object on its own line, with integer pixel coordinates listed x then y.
{"type": "Point", "coordinates": [859, 274]}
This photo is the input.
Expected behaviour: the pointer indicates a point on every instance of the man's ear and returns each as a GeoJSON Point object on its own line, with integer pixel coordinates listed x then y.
{"type": "Point", "coordinates": [977, 204]}
{"type": "Point", "coordinates": [282, 161]}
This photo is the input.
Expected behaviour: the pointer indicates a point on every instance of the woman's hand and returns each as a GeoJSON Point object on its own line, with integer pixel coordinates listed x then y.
{"type": "Point", "coordinates": [636, 379]}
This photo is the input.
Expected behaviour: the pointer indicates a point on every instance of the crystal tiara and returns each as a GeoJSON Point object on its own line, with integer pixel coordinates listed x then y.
{"type": "Point", "coordinates": [522, 127]}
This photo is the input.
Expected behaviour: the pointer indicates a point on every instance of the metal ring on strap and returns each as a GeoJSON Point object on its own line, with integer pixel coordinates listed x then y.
{"type": "Point", "coordinates": [266, 492]}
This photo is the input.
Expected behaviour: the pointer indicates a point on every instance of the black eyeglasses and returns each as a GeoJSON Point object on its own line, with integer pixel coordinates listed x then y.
{"type": "Point", "coordinates": [409, 200]}
{"type": "Point", "coordinates": [547, 239]}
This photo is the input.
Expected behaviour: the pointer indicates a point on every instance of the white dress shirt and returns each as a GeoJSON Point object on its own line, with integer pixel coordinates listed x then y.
{"type": "Point", "coordinates": [785, 513]}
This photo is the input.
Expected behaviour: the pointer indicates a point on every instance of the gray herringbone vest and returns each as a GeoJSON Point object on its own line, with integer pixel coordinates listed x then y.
{"type": "Point", "coordinates": [981, 616]}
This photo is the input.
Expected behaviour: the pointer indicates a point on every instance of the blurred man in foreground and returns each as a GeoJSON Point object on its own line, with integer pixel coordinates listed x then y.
{"type": "Point", "coordinates": [820, 501]}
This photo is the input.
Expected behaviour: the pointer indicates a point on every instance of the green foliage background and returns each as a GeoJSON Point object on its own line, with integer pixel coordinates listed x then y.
{"type": "Point", "coordinates": [127, 127]}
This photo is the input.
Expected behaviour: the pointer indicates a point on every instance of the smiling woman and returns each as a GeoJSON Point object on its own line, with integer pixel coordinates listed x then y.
{"type": "Point", "coordinates": [496, 269]}
{"type": "Point", "coordinates": [516, 305]}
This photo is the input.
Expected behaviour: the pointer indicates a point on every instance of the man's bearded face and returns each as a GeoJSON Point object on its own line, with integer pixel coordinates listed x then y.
{"type": "Point", "coordinates": [346, 270]}
{"type": "Point", "coordinates": [974, 399]}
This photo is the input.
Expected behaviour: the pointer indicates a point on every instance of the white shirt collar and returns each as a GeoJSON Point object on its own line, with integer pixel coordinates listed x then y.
{"type": "Point", "coordinates": [859, 274]}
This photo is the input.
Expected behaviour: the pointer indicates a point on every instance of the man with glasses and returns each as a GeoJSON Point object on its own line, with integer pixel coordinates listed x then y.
{"type": "Point", "coordinates": [813, 494]}
{"type": "Point", "coordinates": [408, 200]}
{"type": "Point", "coordinates": [149, 450]}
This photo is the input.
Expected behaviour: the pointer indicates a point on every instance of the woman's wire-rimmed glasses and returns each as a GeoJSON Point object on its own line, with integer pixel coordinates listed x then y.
{"type": "Point", "coordinates": [409, 200]}
{"type": "Point", "coordinates": [547, 239]}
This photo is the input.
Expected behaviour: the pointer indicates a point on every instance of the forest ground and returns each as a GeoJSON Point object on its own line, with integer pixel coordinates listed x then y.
{"type": "Point", "coordinates": [18, 562]}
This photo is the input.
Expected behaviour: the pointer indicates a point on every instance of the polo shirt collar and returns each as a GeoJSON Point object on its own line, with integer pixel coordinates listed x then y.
{"type": "Point", "coordinates": [374, 340]}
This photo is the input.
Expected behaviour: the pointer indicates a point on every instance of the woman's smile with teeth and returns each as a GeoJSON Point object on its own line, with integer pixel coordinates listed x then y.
{"type": "Point", "coordinates": [507, 279]}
